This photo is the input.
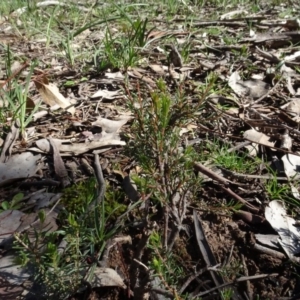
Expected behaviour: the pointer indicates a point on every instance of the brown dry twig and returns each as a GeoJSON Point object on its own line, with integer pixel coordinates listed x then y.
{"type": "Point", "coordinates": [223, 185]}
{"type": "Point", "coordinates": [18, 71]}
{"type": "Point", "coordinates": [241, 279]}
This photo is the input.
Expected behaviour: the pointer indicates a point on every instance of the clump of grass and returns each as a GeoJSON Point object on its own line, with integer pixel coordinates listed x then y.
{"type": "Point", "coordinates": [219, 154]}
{"type": "Point", "coordinates": [15, 96]}
{"type": "Point", "coordinates": [61, 273]}
{"type": "Point", "coordinates": [122, 51]}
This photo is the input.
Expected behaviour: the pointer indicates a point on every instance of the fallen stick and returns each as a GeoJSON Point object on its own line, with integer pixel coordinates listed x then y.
{"type": "Point", "coordinates": [224, 186]}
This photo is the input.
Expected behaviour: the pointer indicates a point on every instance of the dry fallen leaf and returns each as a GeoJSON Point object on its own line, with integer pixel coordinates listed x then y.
{"type": "Point", "coordinates": [157, 69]}
{"type": "Point", "coordinates": [291, 165]}
{"type": "Point", "coordinates": [118, 76]}
{"type": "Point", "coordinates": [293, 107]}
{"type": "Point", "coordinates": [106, 94]}
{"type": "Point", "coordinates": [51, 95]}
{"type": "Point", "coordinates": [110, 126]}
{"type": "Point", "coordinates": [289, 234]}
{"type": "Point", "coordinates": [258, 137]}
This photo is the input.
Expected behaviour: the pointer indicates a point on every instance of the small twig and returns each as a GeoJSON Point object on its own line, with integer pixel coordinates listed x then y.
{"type": "Point", "coordinates": [141, 264]}
{"type": "Point", "coordinates": [223, 181]}
{"type": "Point", "coordinates": [201, 168]}
{"type": "Point", "coordinates": [18, 71]}
{"type": "Point", "coordinates": [17, 237]}
{"type": "Point", "coordinates": [101, 184]}
{"type": "Point", "coordinates": [269, 92]}
{"type": "Point", "coordinates": [234, 174]}
{"type": "Point", "coordinates": [190, 279]}
{"type": "Point", "coordinates": [42, 183]}
{"type": "Point", "coordinates": [163, 292]}
{"type": "Point", "coordinates": [166, 225]}
{"type": "Point", "coordinates": [269, 251]}
{"type": "Point", "coordinates": [241, 279]}
{"type": "Point", "coordinates": [248, 286]}
{"type": "Point", "coordinates": [171, 289]}
{"type": "Point", "coordinates": [59, 166]}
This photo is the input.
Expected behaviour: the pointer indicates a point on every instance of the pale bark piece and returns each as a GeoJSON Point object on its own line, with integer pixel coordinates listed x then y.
{"type": "Point", "coordinates": [24, 165]}
{"type": "Point", "coordinates": [287, 71]}
{"type": "Point", "coordinates": [252, 149]}
{"type": "Point", "coordinates": [110, 126]}
{"type": "Point", "coordinates": [106, 94]}
{"type": "Point", "coordinates": [230, 15]}
{"type": "Point", "coordinates": [289, 85]}
{"type": "Point", "coordinates": [118, 76]}
{"type": "Point", "coordinates": [21, 10]}
{"type": "Point", "coordinates": [289, 234]}
{"type": "Point", "coordinates": [258, 137]}
{"type": "Point", "coordinates": [43, 113]}
{"type": "Point", "coordinates": [158, 69]}
{"type": "Point", "coordinates": [257, 88]}
{"type": "Point", "coordinates": [295, 191]}
{"type": "Point", "coordinates": [293, 57]}
{"type": "Point", "coordinates": [269, 240]}
{"type": "Point", "coordinates": [51, 95]}
{"type": "Point", "coordinates": [107, 277]}
{"type": "Point", "coordinates": [77, 148]}
{"type": "Point", "coordinates": [44, 144]}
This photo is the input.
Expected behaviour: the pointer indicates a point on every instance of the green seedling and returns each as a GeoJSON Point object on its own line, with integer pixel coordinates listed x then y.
{"type": "Point", "coordinates": [15, 203]}
{"type": "Point", "coordinates": [227, 294]}
{"type": "Point", "coordinates": [274, 188]}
